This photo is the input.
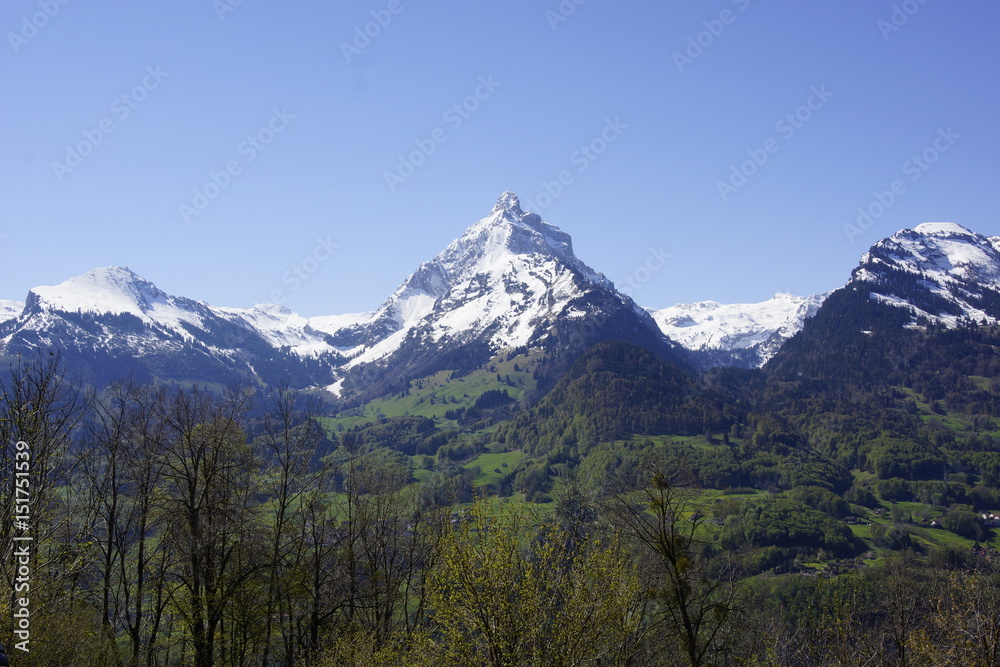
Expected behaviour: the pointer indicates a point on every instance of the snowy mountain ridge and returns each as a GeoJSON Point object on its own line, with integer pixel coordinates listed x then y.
{"type": "Point", "coordinates": [748, 332]}
{"type": "Point", "coordinates": [940, 271]}
{"type": "Point", "coordinates": [117, 290]}
{"type": "Point", "coordinates": [110, 323]}
{"type": "Point", "coordinates": [510, 281]}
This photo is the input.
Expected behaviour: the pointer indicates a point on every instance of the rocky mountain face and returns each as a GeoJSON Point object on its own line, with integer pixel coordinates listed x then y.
{"type": "Point", "coordinates": [510, 281]}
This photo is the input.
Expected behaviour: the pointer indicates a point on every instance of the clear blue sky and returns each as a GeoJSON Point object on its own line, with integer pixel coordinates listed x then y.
{"type": "Point", "coordinates": [199, 78]}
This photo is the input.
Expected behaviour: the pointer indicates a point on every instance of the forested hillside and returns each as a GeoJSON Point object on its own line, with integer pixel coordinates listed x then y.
{"type": "Point", "coordinates": [836, 507]}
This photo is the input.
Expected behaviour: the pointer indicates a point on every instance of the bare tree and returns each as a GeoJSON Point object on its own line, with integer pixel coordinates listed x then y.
{"type": "Point", "coordinates": [376, 505]}
{"type": "Point", "coordinates": [697, 602]}
{"type": "Point", "coordinates": [122, 466]}
{"type": "Point", "coordinates": [209, 487]}
{"type": "Point", "coordinates": [287, 445]}
{"type": "Point", "coordinates": [40, 415]}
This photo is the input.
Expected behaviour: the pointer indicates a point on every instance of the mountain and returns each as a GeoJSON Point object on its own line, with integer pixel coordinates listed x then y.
{"type": "Point", "coordinates": [612, 391]}
{"type": "Point", "coordinates": [940, 272]}
{"type": "Point", "coordinates": [739, 334]}
{"type": "Point", "coordinates": [934, 277]}
{"type": "Point", "coordinates": [110, 322]}
{"type": "Point", "coordinates": [510, 281]}
{"type": "Point", "coordinates": [283, 328]}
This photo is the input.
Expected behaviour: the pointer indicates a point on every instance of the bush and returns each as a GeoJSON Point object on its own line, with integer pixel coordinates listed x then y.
{"type": "Point", "coordinates": [784, 522]}
{"type": "Point", "coordinates": [961, 520]}
{"type": "Point", "coordinates": [861, 495]}
{"type": "Point", "coordinates": [821, 499]}
{"type": "Point", "coordinates": [893, 489]}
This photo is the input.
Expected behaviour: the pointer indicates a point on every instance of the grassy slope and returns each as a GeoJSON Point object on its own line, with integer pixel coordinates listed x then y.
{"type": "Point", "coordinates": [435, 395]}
{"type": "Point", "coordinates": [494, 466]}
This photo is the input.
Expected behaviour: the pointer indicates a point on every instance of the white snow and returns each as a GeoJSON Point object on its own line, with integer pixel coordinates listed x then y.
{"type": "Point", "coordinates": [332, 323]}
{"type": "Point", "coordinates": [945, 258]}
{"type": "Point", "coordinates": [414, 305]}
{"type": "Point", "coordinates": [117, 290]}
{"type": "Point", "coordinates": [282, 328]}
{"type": "Point", "coordinates": [941, 228]}
{"type": "Point", "coordinates": [709, 325]}
{"type": "Point", "coordinates": [509, 273]}
{"type": "Point", "coordinates": [10, 309]}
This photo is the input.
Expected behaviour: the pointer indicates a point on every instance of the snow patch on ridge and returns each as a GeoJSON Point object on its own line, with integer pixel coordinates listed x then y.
{"type": "Point", "coordinates": [10, 309]}
{"type": "Point", "coordinates": [759, 328]}
{"type": "Point", "coordinates": [929, 228]}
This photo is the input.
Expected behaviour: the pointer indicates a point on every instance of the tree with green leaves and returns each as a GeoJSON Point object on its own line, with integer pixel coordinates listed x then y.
{"type": "Point", "coordinates": [508, 592]}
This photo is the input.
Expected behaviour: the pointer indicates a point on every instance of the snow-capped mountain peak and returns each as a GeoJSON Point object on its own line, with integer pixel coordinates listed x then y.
{"type": "Point", "coordinates": [939, 249]}
{"type": "Point", "coordinates": [110, 322]}
{"type": "Point", "coordinates": [114, 290]}
{"type": "Point", "coordinates": [508, 231]}
{"type": "Point", "coordinates": [941, 271]}
{"type": "Point", "coordinates": [484, 276]}
{"type": "Point", "coordinates": [503, 283]}
{"type": "Point", "coordinates": [508, 202]}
